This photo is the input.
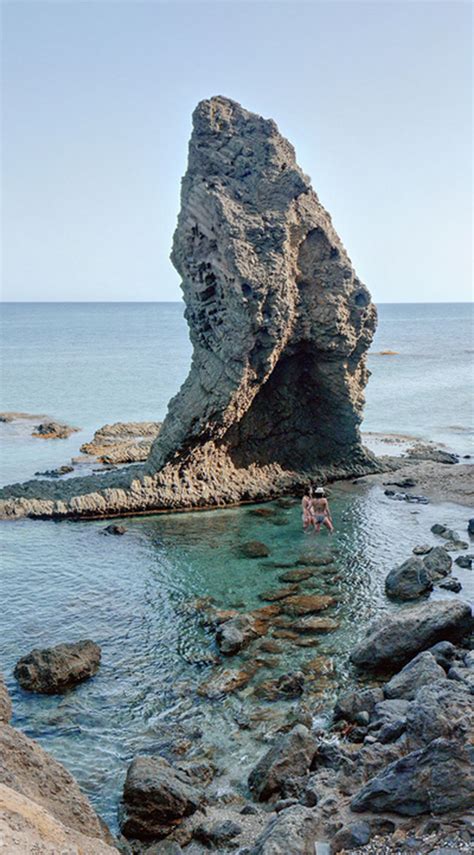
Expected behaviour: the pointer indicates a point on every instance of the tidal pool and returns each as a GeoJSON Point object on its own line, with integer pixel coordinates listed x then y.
{"type": "Point", "coordinates": [134, 595]}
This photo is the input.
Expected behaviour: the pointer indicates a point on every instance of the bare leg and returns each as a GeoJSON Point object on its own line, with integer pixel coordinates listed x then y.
{"type": "Point", "coordinates": [329, 525]}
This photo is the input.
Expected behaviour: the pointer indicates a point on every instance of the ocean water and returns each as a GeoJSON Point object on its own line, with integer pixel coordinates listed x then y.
{"type": "Point", "coordinates": [136, 595]}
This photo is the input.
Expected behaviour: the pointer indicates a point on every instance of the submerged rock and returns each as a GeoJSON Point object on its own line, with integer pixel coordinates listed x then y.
{"type": "Point", "coordinates": [56, 669]}
{"type": "Point", "coordinates": [280, 325]}
{"type": "Point", "coordinates": [306, 604]}
{"type": "Point", "coordinates": [291, 755]}
{"type": "Point", "coordinates": [394, 639]}
{"type": "Point", "coordinates": [254, 549]}
{"type": "Point", "coordinates": [156, 796]}
{"type": "Point", "coordinates": [114, 529]}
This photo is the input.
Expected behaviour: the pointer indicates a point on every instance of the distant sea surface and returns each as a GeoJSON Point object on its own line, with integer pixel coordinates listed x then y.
{"type": "Point", "coordinates": [92, 363]}
{"type": "Point", "coordinates": [88, 364]}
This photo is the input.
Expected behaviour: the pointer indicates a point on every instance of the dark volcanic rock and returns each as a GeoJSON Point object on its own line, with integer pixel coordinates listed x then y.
{"type": "Point", "coordinates": [290, 756]}
{"type": "Point", "coordinates": [436, 779]}
{"type": "Point", "coordinates": [217, 834]}
{"type": "Point", "coordinates": [156, 796]}
{"type": "Point", "coordinates": [421, 671]}
{"type": "Point", "coordinates": [114, 529]}
{"type": "Point", "coordinates": [395, 639]}
{"type": "Point", "coordinates": [351, 837]}
{"type": "Point", "coordinates": [280, 325]}
{"type": "Point", "coordinates": [464, 561]}
{"type": "Point", "coordinates": [443, 709]}
{"type": "Point", "coordinates": [409, 581]}
{"type": "Point", "coordinates": [292, 831]}
{"type": "Point", "coordinates": [350, 704]}
{"type": "Point", "coordinates": [470, 526]}
{"type": "Point", "coordinates": [452, 584]}
{"type": "Point", "coordinates": [55, 669]}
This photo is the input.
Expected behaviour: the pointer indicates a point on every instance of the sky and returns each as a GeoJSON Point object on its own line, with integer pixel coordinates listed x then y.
{"type": "Point", "coordinates": [97, 101]}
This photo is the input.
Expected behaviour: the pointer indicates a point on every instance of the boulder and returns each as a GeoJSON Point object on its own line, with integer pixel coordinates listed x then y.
{"type": "Point", "coordinates": [217, 834]}
{"type": "Point", "coordinates": [351, 836]}
{"type": "Point", "coordinates": [29, 770]}
{"type": "Point", "coordinates": [421, 671]}
{"type": "Point", "coordinates": [444, 708]}
{"type": "Point", "coordinates": [393, 640]}
{"type": "Point", "coordinates": [293, 830]}
{"type": "Point", "coordinates": [470, 526]}
{"type": "Point", "coordinates": [291, 755]}
{"type": "Point", "coordinates": [56, 669]}
{"type": "Point", "coordinates": [408, 581]}
{"type": "Point", "coordinates": [451, 584]}
{"type": "Point", "coordinates": [114, 529]}
{"type": "Point", "coordinates": [350, 704]}
{"type": "Point", "coordinates": [5, 703]}
{"type": "Point", "coordinates": [437, 563]}
{"type": "Point", "coordinates": [156, 796]}
{"type": "Point", "coordinates": [464, 561]}
{"type": "Point", "coordinates": [436, 779]}
{"type": "Point", "coordinates": [388, 720]}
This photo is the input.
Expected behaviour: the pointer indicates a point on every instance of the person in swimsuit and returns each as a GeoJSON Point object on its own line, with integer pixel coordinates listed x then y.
{"type": "Point", "coordinates": [307, 509]}
{"type": "Point", "coordinates": [321, 512]}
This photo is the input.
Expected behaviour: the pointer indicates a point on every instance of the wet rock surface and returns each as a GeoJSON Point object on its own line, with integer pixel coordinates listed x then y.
{"type": "Point", "coordinates": [409, 581]}
{"type": "Point", "coordinates": [122, 442]}
{"type": "Point", "coordinates": [56, 669]}
{"type": "Point", "coordinates": [53, 430]}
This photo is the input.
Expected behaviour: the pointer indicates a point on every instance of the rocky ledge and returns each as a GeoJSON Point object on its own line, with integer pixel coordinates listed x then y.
{"type": "Point", "coordinates": [280, 325]}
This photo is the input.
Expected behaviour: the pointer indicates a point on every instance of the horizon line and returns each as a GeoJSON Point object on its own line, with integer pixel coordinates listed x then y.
{"type": "Point", "coordinates": [177, 302]}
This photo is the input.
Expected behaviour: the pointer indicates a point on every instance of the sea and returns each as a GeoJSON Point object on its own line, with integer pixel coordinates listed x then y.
{"type": "Point", "coordinates": [143, 596]}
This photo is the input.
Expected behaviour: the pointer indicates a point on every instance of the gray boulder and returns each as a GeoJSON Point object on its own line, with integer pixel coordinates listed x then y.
{"type": "Point", "coordinates": [350, 704]}
{"type": "Point", "coordinates": [155, 797]}
{"type": "Point", "coordinates": [217, 834]}
{"type": "Point", "coordinates": [443, 709]}
{"type": "Point", "coordinates": [435, 779]}
{"type": "Point", "coordinates": [388, 720]}
{"type": "Point", "coordinates": [408, 581]}
{"type": "Point", "coordinates": [56, 669]}
{"type": "Point", "coordinates": [437, 563]}
{"type": "Point", "coordinates": [351, 837]}
{"type": "Point", "coordinates": [422, 670]}
{"type": "Point", "coordinates": [464, 561]}
{"type": "Point", "coordinates": [236, 633]}
{"type": "Point", "coordinates": [393, 640]}
{"type": "Point", "coordinates": [290, 756]}
{"type": "Point", "coordinates": [451, 584]}
{"type": "Point", "coordinates": [292, 831]}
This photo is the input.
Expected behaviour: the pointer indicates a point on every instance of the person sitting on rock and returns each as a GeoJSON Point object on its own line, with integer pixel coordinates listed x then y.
{"type": "Point", "coordinates": [307, 509]}
{"type": "Point", "coordinates": [321, 512]}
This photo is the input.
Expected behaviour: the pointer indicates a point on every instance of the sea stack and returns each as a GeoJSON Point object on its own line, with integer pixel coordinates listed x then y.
{"type": "Point", "coordinates": [280, 325]}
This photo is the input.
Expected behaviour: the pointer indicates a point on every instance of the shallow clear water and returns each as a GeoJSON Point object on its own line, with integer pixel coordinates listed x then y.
{"type": "Point", "coordinates": [132, 594]}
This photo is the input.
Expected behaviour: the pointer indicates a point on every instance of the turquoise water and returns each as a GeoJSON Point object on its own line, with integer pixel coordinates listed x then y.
{"type": "Point", "coordinates": [134, 594]}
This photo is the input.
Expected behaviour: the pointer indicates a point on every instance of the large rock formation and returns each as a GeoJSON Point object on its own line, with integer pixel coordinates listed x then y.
{"type": "Point", "coordinates": [280, 325]}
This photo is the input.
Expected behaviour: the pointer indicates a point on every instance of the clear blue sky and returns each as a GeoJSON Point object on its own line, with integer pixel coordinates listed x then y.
{"type": "Point", "coordinates": [97, 102]}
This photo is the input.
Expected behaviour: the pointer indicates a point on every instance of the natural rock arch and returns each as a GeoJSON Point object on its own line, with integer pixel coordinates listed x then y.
{"type": "Point", "coordinates": [279, 323]}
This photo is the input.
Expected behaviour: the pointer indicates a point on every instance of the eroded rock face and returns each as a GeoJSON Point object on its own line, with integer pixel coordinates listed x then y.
{"type": "Point", "coordinates": [279, 322]}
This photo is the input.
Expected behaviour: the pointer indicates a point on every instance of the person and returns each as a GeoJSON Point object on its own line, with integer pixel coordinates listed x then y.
{"type": "Point", "coordinates": [307, 508]}
{"type": "Point", "coordinates": [321, 512]}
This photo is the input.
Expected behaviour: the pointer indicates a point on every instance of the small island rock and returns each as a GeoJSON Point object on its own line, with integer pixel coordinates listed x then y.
{"type": "Point", "coordinates": [56, 669]}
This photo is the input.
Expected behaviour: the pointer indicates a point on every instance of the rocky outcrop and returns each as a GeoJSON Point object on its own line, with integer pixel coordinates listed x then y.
{"type": "Point", "coordinates": [280, 325]}
{"type": "Point", "coordinates": [28, 770]}
{"type": "Point", "coordinates": [294, 830]}
{"type": "Point", "coordinates": [408, 581]}
{"type": "Point", "coordinates": [421, 671]}
{"type": "Point", "coordinates": [392, 641]}
{"type": "Point", "coordinates": [53, 430]}
{"type": "Point", "coordinates": [25, 826]}
{"type": "Point", "coordinates": [56, 669]}
{"type": "Point", "coordinates": [5, 703]}
{"type": "Point", "coordinates": [122, 442]}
